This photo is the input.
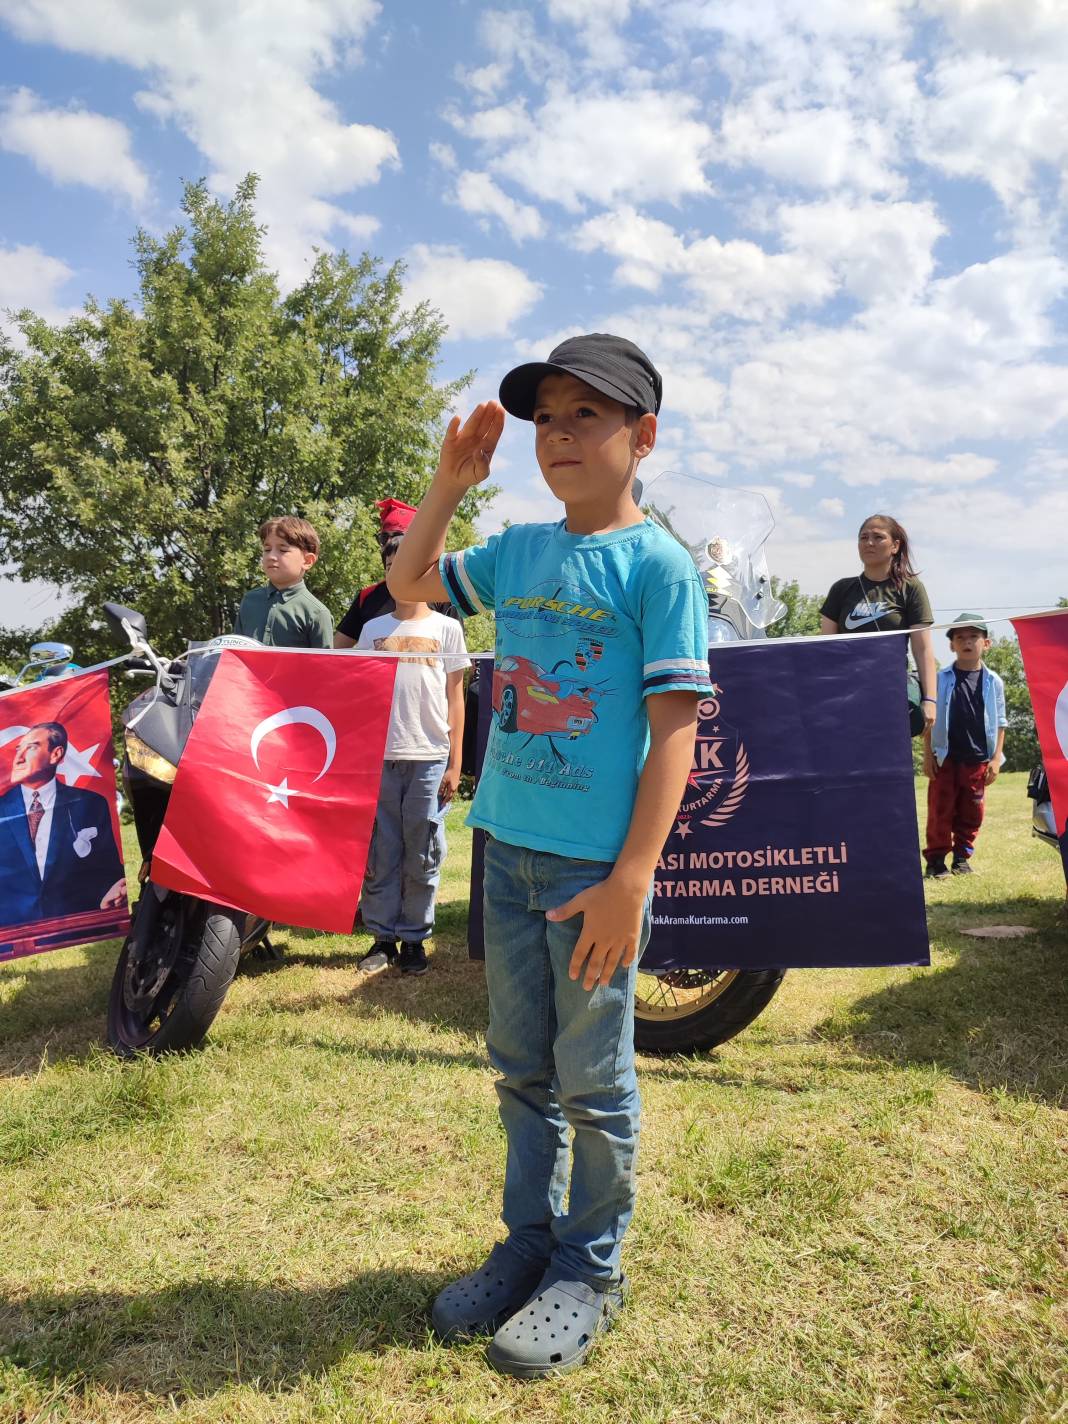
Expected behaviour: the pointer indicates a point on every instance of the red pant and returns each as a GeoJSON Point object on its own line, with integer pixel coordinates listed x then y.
{"type": "Point", "coordinates": [956, 796]}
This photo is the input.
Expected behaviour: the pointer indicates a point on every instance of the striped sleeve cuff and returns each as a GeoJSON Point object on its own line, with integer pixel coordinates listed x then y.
{"type": "Point", "coordinates": [458, 586]}
{"type": "Point", "coordinates": [676, 675]}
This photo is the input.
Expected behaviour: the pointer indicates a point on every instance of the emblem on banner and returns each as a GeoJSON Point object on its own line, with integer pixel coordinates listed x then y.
{"type": "Point", "coordinates": [719, 777]}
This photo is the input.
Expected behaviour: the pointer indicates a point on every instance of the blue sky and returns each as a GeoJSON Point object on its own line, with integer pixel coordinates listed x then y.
{"type": "Point", "coordinates": [836, 225]}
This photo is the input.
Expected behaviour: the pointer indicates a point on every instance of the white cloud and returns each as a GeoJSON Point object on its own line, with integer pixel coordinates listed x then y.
{"type": "Point", "coordinates": [799, 478]}
{"type": "Point", "coordinates": [1025, 31]}
{"type": "Point", "coordinates": [31, 278]}
{"type": "Point", "coordinates": [72, 145]}
{"type": "Point", "coordinates": [617, 146]}
{"type": "Point", "coordinates": [478, 193]}
{"type": "Point", "coordinates": [833, 507]}
{"type": "Point", "coordinates": [813, 147]}
{"type": "Point", "coordinates": [883, 251]}
{"type": "Point", "coordinates": [598, 23]}
{"type": "Point", "coordinates": [444, 155]}
{"type": "Point", "coordinates": [737, 277]}
{"type": "Point", "coordinates": [478, 297]}
{"type": "Point", "coordinates": [1023, 541]}
{"type": "Point", "coordinates": [883, 466]}
{"type": "Point", "coordinates": [239, 81]}
{"type": "Point", "coordinates": [984, 120]}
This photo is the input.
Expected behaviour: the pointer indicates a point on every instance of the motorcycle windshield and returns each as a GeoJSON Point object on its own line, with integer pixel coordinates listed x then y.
{"type": "Point", "coordinates": [200, 669]}
{"type": "Point", "coordinates": [724, 531]}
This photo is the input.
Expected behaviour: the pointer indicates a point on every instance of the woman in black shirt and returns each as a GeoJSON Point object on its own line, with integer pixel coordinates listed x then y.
{"type": "Point", "coordinates": [886, 595]}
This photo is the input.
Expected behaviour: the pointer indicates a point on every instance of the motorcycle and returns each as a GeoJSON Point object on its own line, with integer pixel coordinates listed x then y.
{"type": "Point", "coordinates": [1043, 824]}
{"type": "Point", "coordinates": [46, 660]}
{"type": "Point", "coordinates": [182, 953]}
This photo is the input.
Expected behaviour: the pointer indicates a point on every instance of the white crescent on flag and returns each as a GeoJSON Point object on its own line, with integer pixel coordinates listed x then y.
{"type": "Point", "coordinates": [1060, 720]}
{"type": "Point", "coordinates": [290, 717]}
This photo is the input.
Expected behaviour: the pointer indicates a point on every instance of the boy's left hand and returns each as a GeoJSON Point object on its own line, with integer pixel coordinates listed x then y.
{"type": "Point", "coordinates": [991, 774]}
{"type": "Point", "coordinates": [450, 783]}
{"type": "Point", "coordinates": [611, 930]}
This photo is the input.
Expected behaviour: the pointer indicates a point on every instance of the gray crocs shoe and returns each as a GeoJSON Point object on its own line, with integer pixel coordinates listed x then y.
{"type": "Point", "coordinates": [477, 1303]}
{"type": "Point", "coordinates": [555, 1330]}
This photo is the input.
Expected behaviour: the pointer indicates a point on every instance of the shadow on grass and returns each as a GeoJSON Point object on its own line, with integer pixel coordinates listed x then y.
{"type": "Point", "coordinates": [193, 1339]}
{"type": "Point", "coordinates": [997, 1017]}
{"type": "Point", "coordinates": [56, 999]}
{"type": "Point", "coordinates": [451, 996]}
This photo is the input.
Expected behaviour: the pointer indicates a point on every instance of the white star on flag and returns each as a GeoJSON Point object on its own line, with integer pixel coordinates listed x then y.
{"type": "Point", "coordinates": [76, 764]}
{"type": "Point", "coordinates": [280, 793]}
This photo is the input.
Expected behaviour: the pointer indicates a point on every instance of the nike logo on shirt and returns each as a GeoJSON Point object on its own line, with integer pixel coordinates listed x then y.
{"type": "Point", "coordinates": [864, 613]}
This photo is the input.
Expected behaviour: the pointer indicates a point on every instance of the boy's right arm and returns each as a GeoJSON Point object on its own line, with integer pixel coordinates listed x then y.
{"type": "Point", "coordinates": [464, 462]}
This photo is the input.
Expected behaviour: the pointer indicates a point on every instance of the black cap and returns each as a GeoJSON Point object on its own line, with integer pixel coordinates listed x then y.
{"type": "Point", "coordinates": [610, 364]}
{"type": "Point", "coordinates": [968, 620]}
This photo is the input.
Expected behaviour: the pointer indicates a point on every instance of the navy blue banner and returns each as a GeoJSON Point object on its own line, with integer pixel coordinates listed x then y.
{"type": "Point", "coordinates": [796, 841]}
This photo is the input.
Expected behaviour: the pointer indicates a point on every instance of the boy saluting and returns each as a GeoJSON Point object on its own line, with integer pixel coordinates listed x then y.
{"type": "Point", "coordinates": [601, 659]}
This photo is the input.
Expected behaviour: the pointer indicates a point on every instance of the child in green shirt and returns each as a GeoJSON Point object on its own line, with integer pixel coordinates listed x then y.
{"type": "Point", "coordinates": [285, 614]}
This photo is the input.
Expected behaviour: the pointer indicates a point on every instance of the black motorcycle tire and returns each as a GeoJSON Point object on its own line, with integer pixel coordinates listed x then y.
{"type": "Point", "coordinates": [209, 968]}
{"type": "Point", "coordinates": [711, 1021]}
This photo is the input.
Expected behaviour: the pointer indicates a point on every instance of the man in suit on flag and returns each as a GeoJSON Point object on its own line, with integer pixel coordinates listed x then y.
{"type": "Point", "coordinates": [58, 854]}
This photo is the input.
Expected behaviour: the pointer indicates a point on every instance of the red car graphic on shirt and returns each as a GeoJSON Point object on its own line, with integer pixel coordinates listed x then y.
{"type": "Point", "coordinates": [526, 699]}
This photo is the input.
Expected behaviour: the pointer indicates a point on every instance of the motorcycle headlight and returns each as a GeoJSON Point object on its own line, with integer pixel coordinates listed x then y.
{"type": "Point", "coordinates": [145, 759]}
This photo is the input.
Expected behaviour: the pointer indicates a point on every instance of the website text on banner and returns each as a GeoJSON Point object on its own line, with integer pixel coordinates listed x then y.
{"type": "Point", "coordinates": [61, 873]}
{"type": "Point", "coordinates": [1044, 645]}
{"type": "Point", "coordinates": [796, 842]}
{"type": "Point", "coordinates": [274, 801]}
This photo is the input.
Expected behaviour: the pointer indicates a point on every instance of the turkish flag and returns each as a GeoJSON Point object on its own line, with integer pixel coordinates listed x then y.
{"type": "Point", "coordinates": [274, 801]}
{"type": "Point", "coordinates": [1044, 645]}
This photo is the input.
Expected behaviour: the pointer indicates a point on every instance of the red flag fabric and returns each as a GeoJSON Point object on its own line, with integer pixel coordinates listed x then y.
{"type": "Point", "coordinates": [1044, 645]}
{"type": "Point", "coordinates": [274, 801]}
{"type": "Point", "coordinates": [62, 879]}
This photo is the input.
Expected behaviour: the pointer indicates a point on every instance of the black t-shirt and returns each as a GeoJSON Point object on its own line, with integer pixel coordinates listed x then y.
{"type": "Point", "coordinates": [862, 605]}
{"type": "Point", "coordinates": [372, 602]}
{"type": "Point", "coordinates": [967, 725]}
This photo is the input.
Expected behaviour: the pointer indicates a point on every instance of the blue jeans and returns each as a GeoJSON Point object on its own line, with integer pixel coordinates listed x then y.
{"type": "Point", "coordinates": [566, 1059]}
{"type": "Point", "coordinates": [407, 848]}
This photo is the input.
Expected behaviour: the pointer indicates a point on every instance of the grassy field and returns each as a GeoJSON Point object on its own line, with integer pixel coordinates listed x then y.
{"type": "Point", "coordinates": [856, 1211]}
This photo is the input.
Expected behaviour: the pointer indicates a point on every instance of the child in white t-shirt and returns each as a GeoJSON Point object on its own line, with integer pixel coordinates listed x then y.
{"type": "Point", "coordinates": [419, 779]}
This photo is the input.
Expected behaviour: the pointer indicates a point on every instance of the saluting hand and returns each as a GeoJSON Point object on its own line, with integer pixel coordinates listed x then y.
{"type": "Point", "coordinates": [467, 449]}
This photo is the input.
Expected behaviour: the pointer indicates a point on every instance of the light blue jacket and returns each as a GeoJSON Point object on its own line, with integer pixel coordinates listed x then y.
{"type": "Point", "coordinates": [993, 712]}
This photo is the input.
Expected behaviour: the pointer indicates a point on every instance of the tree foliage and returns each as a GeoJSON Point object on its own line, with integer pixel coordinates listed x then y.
{"type": "Point", "coordinates": [1021, 739]}
{"type": "Point", "coordinates": [802, 610]}
{"type": "Point", "coordinates": [142, 444]}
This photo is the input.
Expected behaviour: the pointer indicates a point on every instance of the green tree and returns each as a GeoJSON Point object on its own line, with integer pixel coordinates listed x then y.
{"type": "Point", "coordinates": [802, 610]}
{"type": "Point", "coordinates": [1021, 739]}
{"type": "Point", "coordinates": [142, 444]}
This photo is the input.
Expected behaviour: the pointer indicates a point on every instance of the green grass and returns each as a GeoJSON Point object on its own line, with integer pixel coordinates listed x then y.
{"type": "Point", "coordinates": [857, 1211]}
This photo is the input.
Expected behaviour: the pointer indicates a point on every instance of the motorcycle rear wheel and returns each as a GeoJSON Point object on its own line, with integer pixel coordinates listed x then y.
{"type": "Point", "coordinates": [199, 945]}
{"type": "Point", "coordinates": [687, 1010]}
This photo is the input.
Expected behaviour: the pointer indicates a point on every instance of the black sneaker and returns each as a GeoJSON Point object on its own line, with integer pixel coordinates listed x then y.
{"type": "Point", "coordinates": [413, 959]}
{"type": "Point", "coordinates": [961, 866]}
{"type": "Point", "coordinates": [380, 956]}
{"type": "Point", "coordinates": [936, 870]}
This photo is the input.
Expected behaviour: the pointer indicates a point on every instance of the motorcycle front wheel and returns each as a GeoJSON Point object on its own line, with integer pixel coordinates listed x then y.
{"type": "Point", "coordinates": [686, 1010]}
{"type": "Point", "coordinates": [165, 997]}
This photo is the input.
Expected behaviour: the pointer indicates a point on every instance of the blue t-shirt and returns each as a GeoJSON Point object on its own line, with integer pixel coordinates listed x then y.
{"type": "Point", "coordinates": [588, 626]}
